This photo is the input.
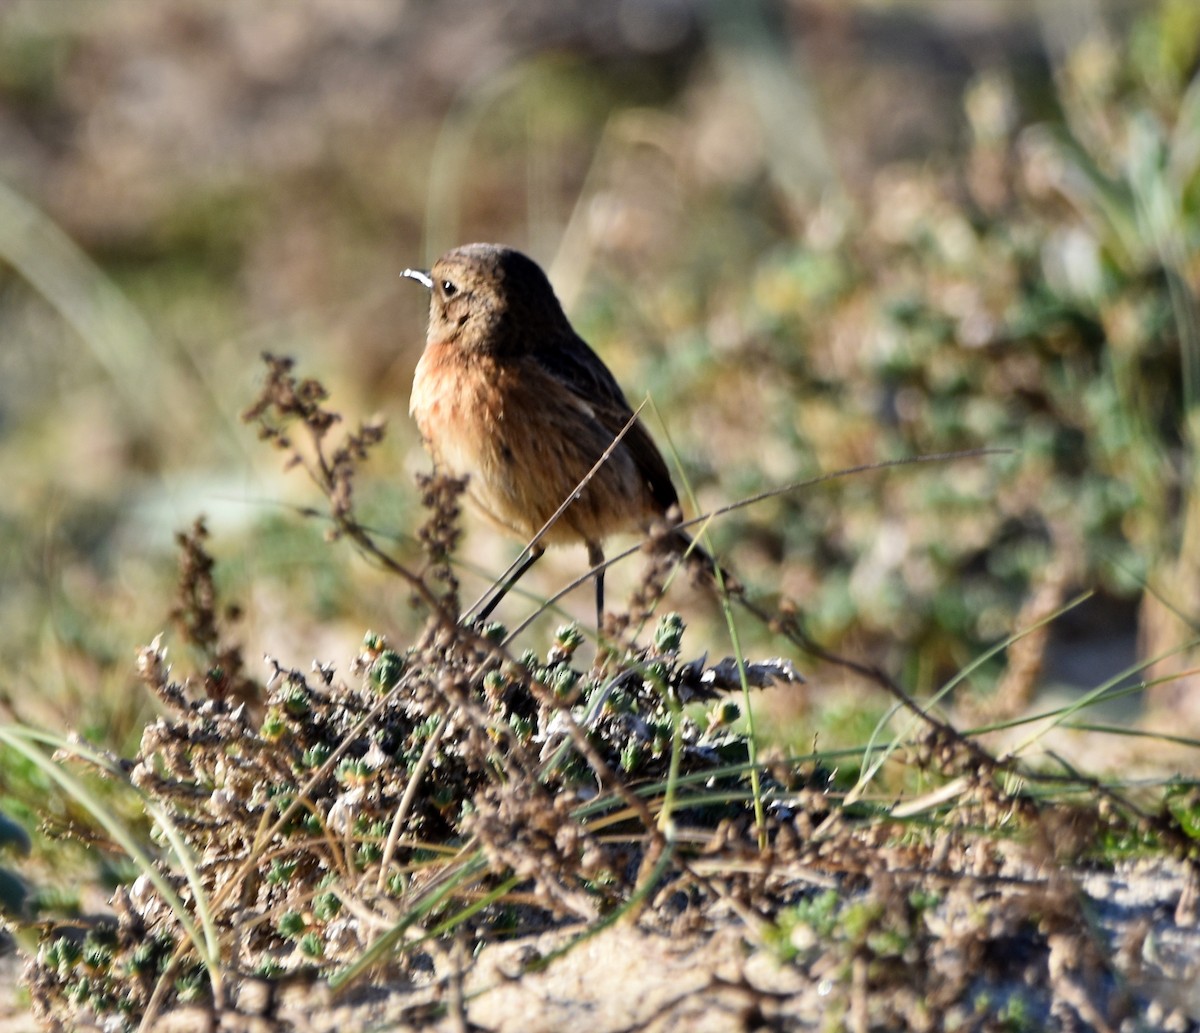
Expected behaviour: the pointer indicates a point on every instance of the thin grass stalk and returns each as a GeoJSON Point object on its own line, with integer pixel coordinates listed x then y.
{"type": "Point", "coordinates": [407, 800]}
{"type": "Point", "coordinates": [735, 642]}
{"type": "Point", "coordinates": [645, 887]}
{"type": "Point", "coordinates": [206, 943]}
{"type": "Point", "coordinates": [871, 769]}
{"type": "Point", "coordinates": [1092, 695]}
{"type": "Point", "coordinates": [473, 867]}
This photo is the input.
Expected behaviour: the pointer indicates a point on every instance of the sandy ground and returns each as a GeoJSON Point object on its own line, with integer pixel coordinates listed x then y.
{"type": "Point", "coordinates": [14, 1013]}
{"type": "Point", "coordinates": [1138, 923]}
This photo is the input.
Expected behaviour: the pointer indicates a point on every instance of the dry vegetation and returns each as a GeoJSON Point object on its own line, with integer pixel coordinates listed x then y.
{"type": "Point", "coordinates": [822, 238]}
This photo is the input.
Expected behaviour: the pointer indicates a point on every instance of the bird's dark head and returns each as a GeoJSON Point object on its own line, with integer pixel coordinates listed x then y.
{"type": "Point", "coordinates": [491, 299]}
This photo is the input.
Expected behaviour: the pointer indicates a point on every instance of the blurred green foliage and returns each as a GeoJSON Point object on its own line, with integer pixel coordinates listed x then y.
{"type": "Point", "coordinates": [991, 249]}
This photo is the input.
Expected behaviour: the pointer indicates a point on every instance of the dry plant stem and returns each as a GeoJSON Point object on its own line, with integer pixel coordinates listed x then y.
{"type": "Point", "coordinates": [456, 1006]}
{"type": "Point", "coordinates": [356, 533]}
{"type": "Point", "coordinates": [266, 833]}
{"type": "Point", "coordinates": [406, 801]}
{"type": "Point", "coordinates": [704, 518]}
{"type": "Point", "coordinates": [837, 475]}
{"type": "Point", "coordinates": [752, 738]}
{"type": "Point", "coordinates": [289, 400]}
{"type": "Point", "coordinates": [165, 981]}
{"type": "Point", "coordinates": [343, 861]}
{"type": "Point", "coordinates": [520, 565]}
{"type": "Point", "coordinates": [495, 653]}
{"type": "Point", "coordinates": [754, 922]}
{"type": "Point", "coordinates": [859, 1020]}
{"type": "Point", "coordinates": [1027, 657]}
{"type": "Point", "coordinates": [342, 515]}
{"type": "Point", "coordinates": [984, 767]}
{"type": "Point", "coordinates": [600, 766]}
{"type": "Point", "coordinates": [377, 921]}
{"type": "Point", "coordinates": [293, 399]}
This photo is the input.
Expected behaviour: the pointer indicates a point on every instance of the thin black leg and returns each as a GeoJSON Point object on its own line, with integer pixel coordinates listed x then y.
{"type": "Point", "coordinates": [596, 559]}
{"type": "Point", "coordinates": [535, 554]}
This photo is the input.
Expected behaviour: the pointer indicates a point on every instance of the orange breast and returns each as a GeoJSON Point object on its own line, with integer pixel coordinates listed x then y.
{"type": "Point", "coordinates": [525, 441]}
{"type": "Point", "coordinates": [452, 409]}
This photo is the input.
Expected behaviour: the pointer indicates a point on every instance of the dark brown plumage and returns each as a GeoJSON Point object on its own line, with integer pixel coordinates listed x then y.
{"type": "Point", "coordinates": [507, 395]}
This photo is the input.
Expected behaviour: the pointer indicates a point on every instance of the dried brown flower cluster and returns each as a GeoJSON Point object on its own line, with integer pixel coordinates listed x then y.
{"type": "Point", "coordinates": [313, 828]}
{"type": "Point", "coordinates": [317, 810]}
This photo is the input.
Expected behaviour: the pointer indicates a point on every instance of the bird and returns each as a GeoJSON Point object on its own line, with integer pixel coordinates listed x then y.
{"type": "Point", "coordinates": [507, 395]}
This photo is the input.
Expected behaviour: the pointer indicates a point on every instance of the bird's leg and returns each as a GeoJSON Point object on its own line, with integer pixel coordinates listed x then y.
{"type": "Point", "coordinates": [596, 560]}
{"type": "Point", "coordinates": [535, 554]}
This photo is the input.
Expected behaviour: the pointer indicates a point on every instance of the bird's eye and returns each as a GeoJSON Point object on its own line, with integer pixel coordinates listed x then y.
{"type": "Point", "coordinates": [449, 289]}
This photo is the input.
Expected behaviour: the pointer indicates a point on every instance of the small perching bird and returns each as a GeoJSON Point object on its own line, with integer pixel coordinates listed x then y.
{"type": "Point", "coordinates": [509, 396]}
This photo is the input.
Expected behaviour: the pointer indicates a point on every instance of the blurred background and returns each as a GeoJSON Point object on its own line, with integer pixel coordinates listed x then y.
{"type": "Point", "coordinates": [816, 233]}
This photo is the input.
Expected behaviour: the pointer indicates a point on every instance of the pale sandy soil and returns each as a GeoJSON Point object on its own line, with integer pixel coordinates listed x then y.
{"type": "Point", "coordinates": [1131, 964]}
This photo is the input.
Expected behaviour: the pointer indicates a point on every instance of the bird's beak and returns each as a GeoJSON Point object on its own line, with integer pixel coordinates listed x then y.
{"type": "Point", "coordinates": [420, 276]}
